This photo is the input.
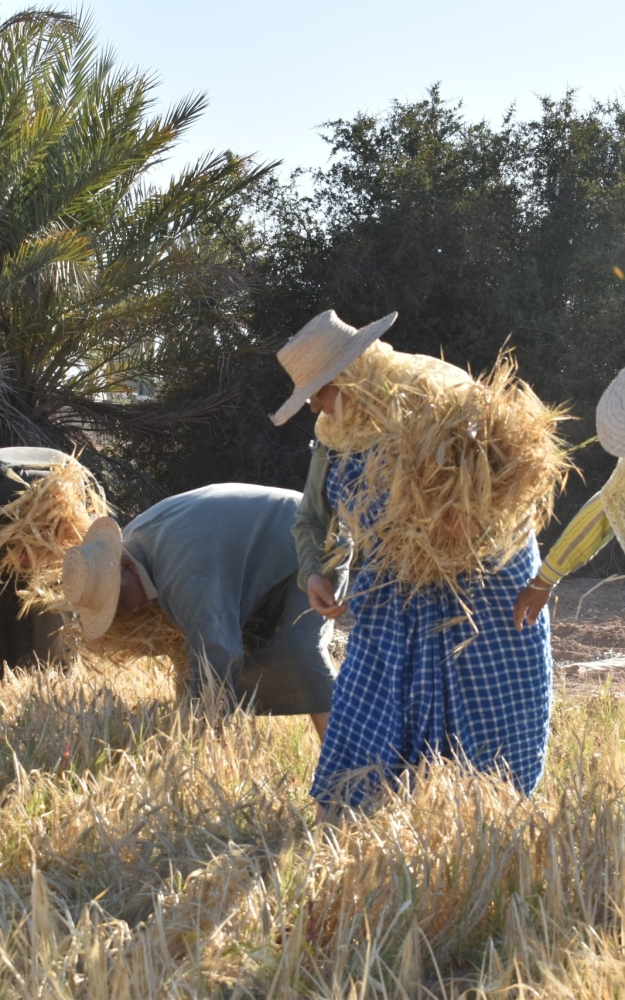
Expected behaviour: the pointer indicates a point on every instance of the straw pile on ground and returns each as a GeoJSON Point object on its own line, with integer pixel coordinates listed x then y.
{"type": "Point", "coordinates": [42, 523]}
{"type": "Point", "coordinates": [148, 634]}
{"type": "Point", "coordinates": [456, 469]}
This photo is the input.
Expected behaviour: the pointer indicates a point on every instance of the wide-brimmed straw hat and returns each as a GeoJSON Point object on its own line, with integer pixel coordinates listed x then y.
{"type": "Point", "coordinates": [92, 576]}
{"type": "Point", "coordinates": [611, 417]}
{"type": "Point", "coordinates": [319, 352]}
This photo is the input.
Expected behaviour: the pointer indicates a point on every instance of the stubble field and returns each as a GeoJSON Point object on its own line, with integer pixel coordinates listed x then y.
{"type": "Point", "coordinates": [142, 855]}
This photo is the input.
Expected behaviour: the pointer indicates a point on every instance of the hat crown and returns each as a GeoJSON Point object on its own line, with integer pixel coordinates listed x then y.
{"type": "Point", "coordinates": [610, 417]}
{"type": "Point", "coordinates": [92, 576]}
{"type": "Point", "coordinates": [317, 344]}
{"type": "Point", "coordinates": [82, 573]}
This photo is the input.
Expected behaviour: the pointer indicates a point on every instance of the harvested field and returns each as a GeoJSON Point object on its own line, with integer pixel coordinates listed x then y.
{"type": "Point", "coordinates": [144, 856]}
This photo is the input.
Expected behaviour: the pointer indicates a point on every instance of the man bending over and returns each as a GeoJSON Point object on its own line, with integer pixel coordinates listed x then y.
{"type": "Point", "coordinates": [216, 559]}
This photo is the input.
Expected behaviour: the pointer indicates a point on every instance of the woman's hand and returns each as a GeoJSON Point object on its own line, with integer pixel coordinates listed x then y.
{"type": "Point", "coordinates": [322, 598]}
{"type": "Point", "coordinates": [530, 602]}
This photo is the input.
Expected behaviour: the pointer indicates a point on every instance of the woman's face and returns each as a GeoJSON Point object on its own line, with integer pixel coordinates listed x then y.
{"type": "Point", "coordinates": [324, 400]}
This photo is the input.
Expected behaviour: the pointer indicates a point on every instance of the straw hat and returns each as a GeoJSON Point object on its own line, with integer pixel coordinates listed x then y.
{"type": "Point", "coordinates": [319, 352]}
{"type": "Point", "coordinates": [611, 417]}
{"type": "Point", "coordinates": [92, 576]}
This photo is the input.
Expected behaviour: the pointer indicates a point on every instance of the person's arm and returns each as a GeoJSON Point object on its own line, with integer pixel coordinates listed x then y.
{"type": "Point", "coordinates": [314, 516]}
{"type": "Point", "coordinates": [316, 551]}
{"type": "Point", "coordinates": [582, 538]}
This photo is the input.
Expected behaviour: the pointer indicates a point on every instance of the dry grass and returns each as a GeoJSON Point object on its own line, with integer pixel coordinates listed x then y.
{"type": "Point", "coordinates": [148, 634]}
{"type": "Point", "coordinates": [456, 469]}
{"type": "Point", "coordinates": [142, 856]}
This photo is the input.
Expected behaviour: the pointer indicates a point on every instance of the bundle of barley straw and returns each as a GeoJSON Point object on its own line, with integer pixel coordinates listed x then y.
{"type": "Point", "coordinates": [149, 634]}
{"type": "Point", "coordinates": [38, 528]}
{"type": "Point", "coordinates": [464, 466]}
{"type": "Point", "coordinates": [42, 523]}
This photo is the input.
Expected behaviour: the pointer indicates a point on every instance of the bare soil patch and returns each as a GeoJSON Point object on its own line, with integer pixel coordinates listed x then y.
{"type": "Point", "coordinates": [584, 635]}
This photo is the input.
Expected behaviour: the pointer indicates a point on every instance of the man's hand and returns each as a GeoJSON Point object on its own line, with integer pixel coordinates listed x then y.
{"type": "Point", "coordinates": [322, 598]}
{"type": "Point", "coordinates": [530, 602]}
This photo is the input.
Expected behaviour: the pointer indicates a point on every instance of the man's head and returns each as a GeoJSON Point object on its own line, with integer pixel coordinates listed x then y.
{"type": "Point", "coordinates": [92, 576]}
{"type": "Point", "coordinates": [100, 581]}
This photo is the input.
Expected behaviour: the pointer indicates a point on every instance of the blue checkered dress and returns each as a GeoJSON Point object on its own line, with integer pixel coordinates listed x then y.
{"type": "Point", "coordinates": [402, 694]}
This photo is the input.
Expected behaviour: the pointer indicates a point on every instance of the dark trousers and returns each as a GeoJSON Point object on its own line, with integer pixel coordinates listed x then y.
{"type": "Point", "coordinates": [25, 640]}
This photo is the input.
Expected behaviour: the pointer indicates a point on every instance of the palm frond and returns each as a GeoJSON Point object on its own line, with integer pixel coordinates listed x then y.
{"type": "Point", "coordinates": [105, 281]}
{"type": "Point", "coordinates": [136, 419]}
{"type": "Point", "coordinates": [49, 257]}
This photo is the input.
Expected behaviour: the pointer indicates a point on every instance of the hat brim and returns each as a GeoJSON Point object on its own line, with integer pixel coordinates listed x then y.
{"type": "Point", "coordinates": [95, 624]}
{"type": "Point", "coordinates": [610, 417]}
{"type": "Point", "coordinates": [358, 344]}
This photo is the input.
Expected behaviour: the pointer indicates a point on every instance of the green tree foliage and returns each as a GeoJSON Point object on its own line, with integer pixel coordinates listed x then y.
{"type": "Point", "coordinates": [474, 234]}
{"type": "Point", "coordinates": [471, 233]}
{"type": "Point", "coordinates": [239, 368]}
{"type": "Point", "coordinates": [106, 284]}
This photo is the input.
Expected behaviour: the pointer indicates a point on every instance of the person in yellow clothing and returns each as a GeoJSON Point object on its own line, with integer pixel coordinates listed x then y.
{"type": "Point", "coordinates": [599, 520]}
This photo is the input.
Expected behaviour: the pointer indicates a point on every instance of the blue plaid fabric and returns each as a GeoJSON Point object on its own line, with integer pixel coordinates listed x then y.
{"type": "Point", "coordinates": [402, 694]}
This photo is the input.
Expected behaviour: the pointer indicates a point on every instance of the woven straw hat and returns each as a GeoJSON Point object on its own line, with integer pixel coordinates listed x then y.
{"type": "Point", "coordinates": [319, 352]}
{"type": "Point", "coordinates": [92, 576]}
{"type": "Point", "coordinates": [611, 417]}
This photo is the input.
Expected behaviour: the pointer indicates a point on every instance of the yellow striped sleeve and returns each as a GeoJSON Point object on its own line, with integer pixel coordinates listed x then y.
{"type": "Point", "coordinates": [582, 538]}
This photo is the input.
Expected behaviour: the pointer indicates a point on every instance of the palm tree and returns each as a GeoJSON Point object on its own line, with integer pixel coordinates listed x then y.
{"type": "Point", "coordinates": [102, 278]}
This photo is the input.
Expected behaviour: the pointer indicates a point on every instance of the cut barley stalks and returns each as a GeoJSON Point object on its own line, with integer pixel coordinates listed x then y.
{"type": "Point", "coordinates": [457, 469]}
{"type": "Point", "coordinates": [42, 523]}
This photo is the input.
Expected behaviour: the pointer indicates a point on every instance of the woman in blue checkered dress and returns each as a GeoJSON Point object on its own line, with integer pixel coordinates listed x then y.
{"type": "Point", "coordinates": [433, 666]}
{"type": "Point", "coordinates": [404, 692]}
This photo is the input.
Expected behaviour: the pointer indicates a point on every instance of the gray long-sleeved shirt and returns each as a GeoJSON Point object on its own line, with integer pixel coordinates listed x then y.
{"type": "Point", "coordinates": [312, 527]}
{"type": "Point", "coordinates": [213, 555]}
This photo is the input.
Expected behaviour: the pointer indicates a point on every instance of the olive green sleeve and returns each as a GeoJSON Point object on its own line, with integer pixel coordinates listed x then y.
{"type": "Point", "coordinates": [312, 528]}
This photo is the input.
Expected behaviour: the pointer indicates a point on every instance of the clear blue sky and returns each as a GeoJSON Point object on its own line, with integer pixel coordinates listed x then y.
{"type": "Point", "coordinates": [275, 69]}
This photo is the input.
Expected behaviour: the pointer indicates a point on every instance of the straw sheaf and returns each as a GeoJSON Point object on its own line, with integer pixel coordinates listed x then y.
{"type": "Point", "coordinates": [453, 456]}
{"type": "Point", "coordinates": [149, 634]}
{"type": "Point", "coordinates": [44, 521]}
{"type": "Point", "coordinates": [47, 519]}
